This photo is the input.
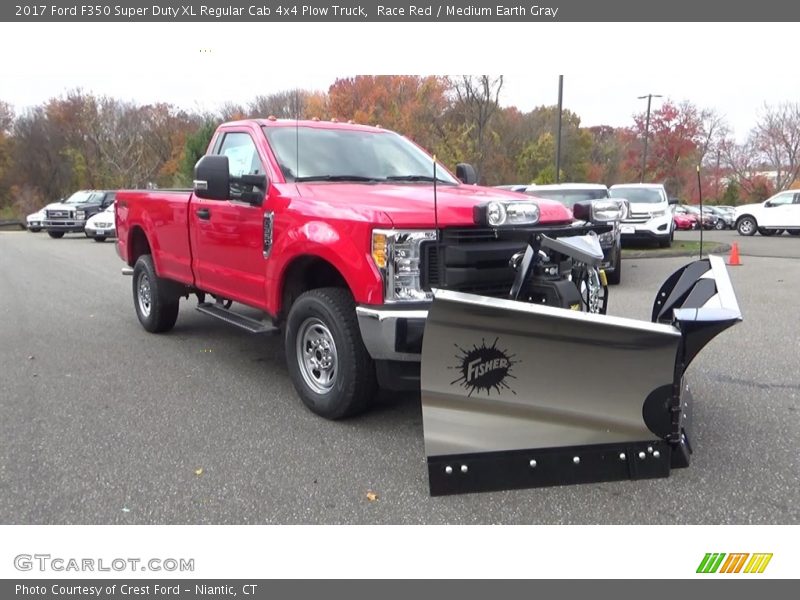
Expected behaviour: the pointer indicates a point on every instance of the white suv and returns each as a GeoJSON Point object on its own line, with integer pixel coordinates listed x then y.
{"type": "Point", "coordinates": [650, 216]}
{"type": "Point", "coordinates": [782, 211]}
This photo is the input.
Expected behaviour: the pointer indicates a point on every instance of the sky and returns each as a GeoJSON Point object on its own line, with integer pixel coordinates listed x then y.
{"type": "Point", "coordinates": [732, 68]}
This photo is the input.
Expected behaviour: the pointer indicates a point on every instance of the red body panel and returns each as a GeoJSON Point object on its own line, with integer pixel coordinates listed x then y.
{"type": "Point", "coordinates": [224, 254]}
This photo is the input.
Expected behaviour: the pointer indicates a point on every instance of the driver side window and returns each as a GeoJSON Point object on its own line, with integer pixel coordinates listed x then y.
{"type": "Point", "coordinates": [242, 154]}
{"type": "Point", "coordinates": [781, 199]}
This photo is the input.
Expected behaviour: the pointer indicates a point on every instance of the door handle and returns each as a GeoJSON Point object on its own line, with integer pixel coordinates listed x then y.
{"type": "Point", "coordinates": [203, 213]}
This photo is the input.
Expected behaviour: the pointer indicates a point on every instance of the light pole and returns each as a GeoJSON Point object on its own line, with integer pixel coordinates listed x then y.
{"type": "Point", "coordinates": [646, 131]}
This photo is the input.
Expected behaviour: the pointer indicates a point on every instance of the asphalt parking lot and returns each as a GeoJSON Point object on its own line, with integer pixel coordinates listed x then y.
{"type": "Point", "coordinates": [103, 423]}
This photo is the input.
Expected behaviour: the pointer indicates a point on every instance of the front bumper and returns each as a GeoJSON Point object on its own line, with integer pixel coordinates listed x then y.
{"type": "Point", "coordinates": [392, 333]}
{"type": "Point", "coordinates": [65, 226]}
{"type": "Point", "coordinates": [103, 233]}
{"type": "Point", "coordinates": [652, 229]}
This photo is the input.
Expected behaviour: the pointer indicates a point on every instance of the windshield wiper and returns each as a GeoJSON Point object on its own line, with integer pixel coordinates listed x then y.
{"type": "Point", "coordinates": [337, 178]}
{"type": "Point", "coordinates": [415, 178]}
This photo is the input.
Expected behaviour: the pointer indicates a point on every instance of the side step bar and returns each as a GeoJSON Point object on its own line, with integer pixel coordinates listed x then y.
{"type": "Point", "coordinates": [217, 311]}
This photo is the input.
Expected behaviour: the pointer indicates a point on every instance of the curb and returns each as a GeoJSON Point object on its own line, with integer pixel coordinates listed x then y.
{"type": "Point", "coordinates": [718, 248]}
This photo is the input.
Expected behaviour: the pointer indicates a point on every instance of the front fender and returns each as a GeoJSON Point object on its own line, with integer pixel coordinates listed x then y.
{"type": "Point", "coordinates": [346, 248]}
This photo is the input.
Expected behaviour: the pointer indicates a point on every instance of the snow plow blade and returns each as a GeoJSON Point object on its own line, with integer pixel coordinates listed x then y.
{"type": "Point", "coordinates": [518, 395]}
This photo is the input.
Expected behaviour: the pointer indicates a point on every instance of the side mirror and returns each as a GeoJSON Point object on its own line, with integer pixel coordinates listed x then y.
{"type": "Point", "coordinates": [768, 204]}
{"type": "Point", "coordinates": [212, 178]}
{"type": "Point", "coordinates": [466, 173]}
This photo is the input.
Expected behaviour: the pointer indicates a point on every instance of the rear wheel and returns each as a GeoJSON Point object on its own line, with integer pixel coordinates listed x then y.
{"type": "Point", "coordinates": [328, 363]}
{"type": "Point", "coordinates": [747, 226]}
{"type": "Point", "coordinates": [56, 235]}
{"type": "Point", "coordinates": [719, 225]}
{"type": "Point", "coordinates": [156, 305]}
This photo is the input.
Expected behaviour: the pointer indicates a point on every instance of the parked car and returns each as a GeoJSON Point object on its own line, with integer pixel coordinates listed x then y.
{"type": "Point", "coordinates": [570, 193]}
{"type": "Point", "coordinates": [34, 221]}
{"type": "Point", "coordinates": [781, 211]}
{"type": "Point", "coordinates": [684, 221]}
{"type": "Point", "coordinates": [725, 217]}
{"type": "Point", "coordinates": [649, 217]}
{"type": "Point", "coordinates": [707, 219]}
{"type": "Point", "coordinates": [101, 226]}
{"type": "Point", "coordinates": [70, 216]}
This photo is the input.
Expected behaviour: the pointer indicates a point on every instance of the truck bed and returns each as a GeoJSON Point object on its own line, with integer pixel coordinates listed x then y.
{"type": "Point", "coordinates": [165, 215]}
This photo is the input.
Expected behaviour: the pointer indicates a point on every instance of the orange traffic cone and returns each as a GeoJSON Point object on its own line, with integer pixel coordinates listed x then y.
{"type": "Point", "coordinates": [733, 260]}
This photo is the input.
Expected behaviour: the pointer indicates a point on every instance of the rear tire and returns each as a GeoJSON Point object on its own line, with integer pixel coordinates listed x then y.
{"type": "Point", "coordinates": [155, 303]}
{"type": "Point", "coordinates": [56, 235]}
{"type": "Point", "coordinates": [746, 226]}
{"type": "Point", "coordinates": [719, 225]}
{"type": "Point", "coordinates": [330, 368]}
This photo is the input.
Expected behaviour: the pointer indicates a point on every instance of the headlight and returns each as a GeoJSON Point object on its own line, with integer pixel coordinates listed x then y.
{"type": "Point", "coordinates": [81, 215]}
{"type": "Point", "coordinates": [396, 253]}
{"type": "Point", "coordinates": [657, 213]}
{"type": "Point", "coordinates": [500, 213]}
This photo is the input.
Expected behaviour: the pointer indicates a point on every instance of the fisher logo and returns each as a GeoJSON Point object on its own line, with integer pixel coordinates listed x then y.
{"type": "Point", "coordinates": [484, 368]}
{"type": "Point", "coordinates": [716, 562]}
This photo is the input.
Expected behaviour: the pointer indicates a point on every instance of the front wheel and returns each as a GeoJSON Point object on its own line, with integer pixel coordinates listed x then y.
{"type": "Point", "coordinates": [719, 225]}
{"type": "Point", "coordinates": [667, 241]}
{"type": "Point", "coordinates": [330, 368]}
{"type": "Point", "coordinates": [56, 235]}
{"type": "Point", "coordinates": [156, 306]}
{"type": "Point", "coordinates": [746, 226]}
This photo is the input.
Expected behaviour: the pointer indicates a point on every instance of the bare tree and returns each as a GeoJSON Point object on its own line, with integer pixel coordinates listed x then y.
{"type": "Point", "coordinates": [777, 137]}
{"type": "Point", "coordinates": [478, 98]}
{"type": "Point", "coordinates": [288, 104]}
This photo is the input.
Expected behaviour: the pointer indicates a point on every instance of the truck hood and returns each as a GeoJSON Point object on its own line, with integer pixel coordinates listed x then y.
{"type": "Point", "coordinates": [59, 206]}
{"type": "Point", "coordinates": [411, 204]}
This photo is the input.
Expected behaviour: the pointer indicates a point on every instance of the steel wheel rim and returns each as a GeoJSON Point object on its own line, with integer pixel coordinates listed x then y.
{"type": "Point", "coordinates": [746, 226]}
{"type": "Point", "coordinates": [144, 294]}
{"type": "Point", "coordinates": [316, 355]}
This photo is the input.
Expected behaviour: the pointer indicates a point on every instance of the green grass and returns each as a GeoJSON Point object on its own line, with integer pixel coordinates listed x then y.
{"type": "Point", "coordinates": [8, 213]}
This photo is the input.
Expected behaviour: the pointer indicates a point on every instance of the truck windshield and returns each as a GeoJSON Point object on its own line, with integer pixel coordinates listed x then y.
{"type": "Point", "coordinates": [638, 195]}
{"type": "Point", "coordinates": [318, 154]}
{"type": "Point", "coordinates": [78, 198]}
{"type": "Point", "coordinates": [568, 197]}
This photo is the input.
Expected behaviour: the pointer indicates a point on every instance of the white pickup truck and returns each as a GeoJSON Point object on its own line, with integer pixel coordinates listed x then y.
{"type": "Point", "coordinates": [781, 211]}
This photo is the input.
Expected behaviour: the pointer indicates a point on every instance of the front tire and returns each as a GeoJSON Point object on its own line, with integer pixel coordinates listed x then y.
{"type": "Point", "coordinates": [667, 242]}
{"type": "Point", "coordinates": [56, 235]}
{"type": "Point", "coordinates": [719, 225]}
{"type": "Point", "coordinates": [156, 305]}
{"type": "Point", "coordinates": [747, 226]}
{"type": "Point", "coordinates": [330, 368]}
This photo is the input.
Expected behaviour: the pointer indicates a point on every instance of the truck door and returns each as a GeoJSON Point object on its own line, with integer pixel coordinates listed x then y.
{"type": "Point", "coordinates": [228, 235]}
{"type": "Point", "coordinates": [778, 210]}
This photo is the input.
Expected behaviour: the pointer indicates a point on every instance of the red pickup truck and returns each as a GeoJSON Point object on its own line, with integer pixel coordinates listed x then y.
{"type": "Point", "coordinates": [336, 233]}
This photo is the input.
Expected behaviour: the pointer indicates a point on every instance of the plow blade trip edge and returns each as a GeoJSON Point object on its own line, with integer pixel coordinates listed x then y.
{"type": "Point", "coordinates": [517, 395]}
